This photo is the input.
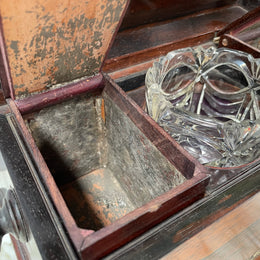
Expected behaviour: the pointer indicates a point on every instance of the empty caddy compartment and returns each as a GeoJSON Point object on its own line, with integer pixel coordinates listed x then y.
{"type": "Point", "coordinates": [115, 169]}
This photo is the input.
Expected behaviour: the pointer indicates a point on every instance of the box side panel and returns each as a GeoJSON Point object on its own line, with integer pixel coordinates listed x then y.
{"type": "Point", "coordinates": [143, 12]}
{"type": "Point", "coordinates": [137, 164]}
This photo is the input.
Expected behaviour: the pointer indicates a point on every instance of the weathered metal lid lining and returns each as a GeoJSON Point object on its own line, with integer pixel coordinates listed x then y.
{"type": "Point", "coordinates": [49, 43]}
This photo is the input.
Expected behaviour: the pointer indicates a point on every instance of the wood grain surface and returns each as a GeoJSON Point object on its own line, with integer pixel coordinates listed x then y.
{"type": "Point", "coordinates": [235, 236]}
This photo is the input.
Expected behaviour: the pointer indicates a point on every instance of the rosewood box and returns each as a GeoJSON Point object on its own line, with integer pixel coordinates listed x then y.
{"type": "Point", "coordinates": [90, 170]}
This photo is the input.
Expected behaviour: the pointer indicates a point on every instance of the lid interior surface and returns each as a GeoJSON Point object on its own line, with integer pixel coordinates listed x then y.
{"type": "Point", "coordinates": [53, 42]}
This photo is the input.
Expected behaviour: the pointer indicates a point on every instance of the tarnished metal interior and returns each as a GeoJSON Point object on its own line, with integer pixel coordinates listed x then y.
{"type": "Point", "coordinates": [102, 163]}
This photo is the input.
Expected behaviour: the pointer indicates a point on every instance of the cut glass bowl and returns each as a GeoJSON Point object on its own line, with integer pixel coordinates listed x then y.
{"type": "Point", "coordinates": [208, 101]}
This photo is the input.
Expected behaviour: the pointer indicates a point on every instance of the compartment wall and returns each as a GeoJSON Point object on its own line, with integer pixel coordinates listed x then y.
{"type": "Point", "coordinates": [69, 137]}
{"type": "Point", "coordinates": [142, 171]}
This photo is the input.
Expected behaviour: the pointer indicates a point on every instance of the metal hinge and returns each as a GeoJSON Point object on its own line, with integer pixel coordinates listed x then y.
{"type": "Point", "coordinates": [216, 40]}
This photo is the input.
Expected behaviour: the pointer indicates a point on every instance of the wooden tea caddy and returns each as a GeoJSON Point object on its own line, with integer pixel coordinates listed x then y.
{"type": "Point", "coordinates": [97, 172]}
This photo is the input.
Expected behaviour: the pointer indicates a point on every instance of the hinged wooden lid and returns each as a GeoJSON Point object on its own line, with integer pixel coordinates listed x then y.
{"type": "Point", "coordinates": [45, 43]}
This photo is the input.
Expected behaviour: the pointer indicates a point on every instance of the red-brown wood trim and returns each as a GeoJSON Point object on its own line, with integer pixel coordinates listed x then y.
{"type": "Point", "coordinates": [41, 100]}
{"type": "Point", "coordinates": [142, 67]}
{"type": "Point", "coordinates": [142, 219]}
{"type": "Point", "coordinates": [232, 42]}
{"type": "Point", "coordinates": [76, 234]}
{"type": "Point", "coordinates": [138, 57]}
{"type": "Point", "coordinates": [5, 74]}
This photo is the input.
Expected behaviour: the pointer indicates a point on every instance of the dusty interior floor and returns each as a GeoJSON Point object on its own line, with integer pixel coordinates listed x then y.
{"type": "Point", "coordinates": [100, 195]}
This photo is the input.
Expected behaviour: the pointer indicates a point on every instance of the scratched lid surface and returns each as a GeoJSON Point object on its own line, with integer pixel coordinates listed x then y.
{"type": "Point", "coordinates": [53, 42]}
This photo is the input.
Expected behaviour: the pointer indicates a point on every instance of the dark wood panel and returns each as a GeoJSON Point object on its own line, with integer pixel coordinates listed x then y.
{"type": "Point", "coordinates": [141, 38]}
{"type": "Point", "coordinates": [135, 47]}
{"type": "Point", "coordinates": [39, 101]}
{"type": "Point", "coordinates": [142, 11]}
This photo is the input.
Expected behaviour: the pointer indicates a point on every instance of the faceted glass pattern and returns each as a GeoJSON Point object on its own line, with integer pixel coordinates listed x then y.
{"type": "Point", "coordinates": [208, 100]}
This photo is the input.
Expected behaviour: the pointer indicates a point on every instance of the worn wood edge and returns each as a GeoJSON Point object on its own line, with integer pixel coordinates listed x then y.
{"type": "Point", "coordinates": [230, 41]}
{"type": "Point", "coordinates": [182, 235]}
{"type": "Point", "coordinates": [170, 149]}
{"type": "Point", "coordinates": [241, 22]}
{"type": "Point", "coordinates": [188, 222]}
{"type": "Point", "coordinates": [186, 233]}
{"type": "Point", "coordinates": [42, 100]}
{"type": "Point", "coordinates": [5, 74]}
{"type": "Point", "coordinates": [76, 234]}
{"type": "Point", "coordinates": [142, 219]}
{"type": "Point", "coordinates": [193, 247]}
{"type": "Point", "coordinates": [228, 195]}
{"type": "Point", "coordinates": [132, 70]}
{"type": "Point", "coordinates": [135, 58]}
